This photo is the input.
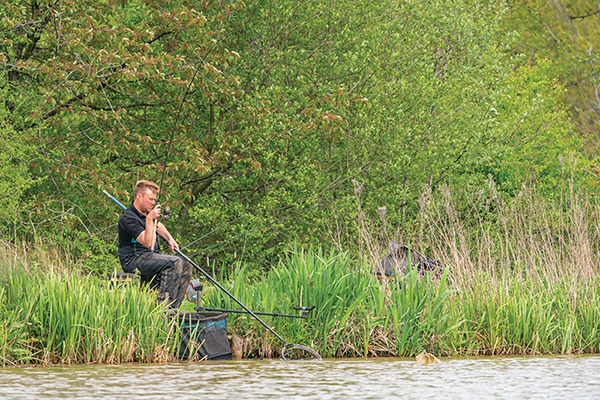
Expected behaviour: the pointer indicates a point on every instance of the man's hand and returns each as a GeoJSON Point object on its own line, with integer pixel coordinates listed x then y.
{"type": "Point", "coordinates": [154, 214]}
{"type": "Point", "coordinates": [173, 245]}
{"type": "Point", "coordinates": [148, 236]}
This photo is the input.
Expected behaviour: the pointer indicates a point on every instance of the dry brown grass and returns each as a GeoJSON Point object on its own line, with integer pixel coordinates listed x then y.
{"type": "Point", "coordinates": [480, 232]}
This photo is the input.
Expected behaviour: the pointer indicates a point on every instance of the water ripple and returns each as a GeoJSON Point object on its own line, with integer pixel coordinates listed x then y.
{"type": "Point", "coordinates": [480, 378]}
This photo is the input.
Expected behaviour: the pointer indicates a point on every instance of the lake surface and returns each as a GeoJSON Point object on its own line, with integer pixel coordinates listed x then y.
{"type": "Point", "coordinates": [479, 378]}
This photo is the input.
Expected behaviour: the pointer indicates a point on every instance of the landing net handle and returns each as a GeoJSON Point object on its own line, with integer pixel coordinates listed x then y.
{"type": "Point", "coordinates": [286, 345]}
{"type": "Point", "coordinates": [210, 278]}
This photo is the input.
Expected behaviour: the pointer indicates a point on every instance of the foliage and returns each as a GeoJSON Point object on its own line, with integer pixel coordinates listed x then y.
{"type": "Point", "coordinates": [359, 316]}
{"type": "Point", "coordinates": [355, 315]}
{"type": "Point", "coordinates": [14, 170]}
{"type": "Point", "coordinates": [521, 279]}
{"type": "Point", "coordinates": [566, 34]}
{"type": "Point", "coordinates": [259, 110]}
{"type": "Point", "coordinates": [60, 318]}
{"type": "Point", "coordinates": [388, 95]}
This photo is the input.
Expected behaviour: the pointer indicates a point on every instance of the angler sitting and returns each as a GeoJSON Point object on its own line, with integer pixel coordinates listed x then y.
{"type": "Point", "coordinates": [139, 247]}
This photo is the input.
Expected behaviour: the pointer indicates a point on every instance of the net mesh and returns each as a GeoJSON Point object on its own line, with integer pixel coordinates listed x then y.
{"type": "Point", "coordinates": [298, 352]}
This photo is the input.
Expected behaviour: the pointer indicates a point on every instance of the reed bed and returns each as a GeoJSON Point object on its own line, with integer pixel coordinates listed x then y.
{"type": "Point", "coordinates": [356, 315]}
{"type": "Point", "coordinates": [55, 317]}
{"type": "Point", "coordinates": [360, 316]}
{"type": "Point", "coordinates": [521, 277]}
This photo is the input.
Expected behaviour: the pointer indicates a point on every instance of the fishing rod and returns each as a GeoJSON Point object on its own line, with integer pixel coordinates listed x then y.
{"type": "Point", "coordinates": [286, 345]}
{"type": "Point", "coordinates": [211, 232]}
{"type": "Point", "coordinates": [245, 233]}
{"type": "Point", "coordinates": [187, 90]}
{"type": "Point", "coordinates": [305, 311]}
{"type": "Point", "coordinates": [173, 133]}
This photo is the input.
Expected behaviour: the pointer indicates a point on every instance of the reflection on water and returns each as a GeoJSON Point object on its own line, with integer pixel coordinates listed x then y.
{"type": "Point", "coordinates": [508, 378]}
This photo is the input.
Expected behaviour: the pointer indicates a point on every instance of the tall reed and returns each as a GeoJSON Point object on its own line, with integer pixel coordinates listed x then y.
{"type": "Point", "coordinates": [522, 279]}
{"type": "Point", "coordinates": [359, 316]}
{"type": "Point", "coordinates": [356, 315]}
{"type": "Point", "coordinates": [61, 318]}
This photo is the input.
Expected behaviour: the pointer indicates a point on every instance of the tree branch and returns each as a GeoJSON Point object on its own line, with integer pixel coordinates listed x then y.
{"type": "Point", "coordinates": [582, 17]}
{"type": "Point", "coordinates": [156, 37]}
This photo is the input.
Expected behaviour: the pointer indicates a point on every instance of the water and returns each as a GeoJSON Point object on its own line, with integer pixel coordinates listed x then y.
{"type": "Point", "coordinates": [479, 378]}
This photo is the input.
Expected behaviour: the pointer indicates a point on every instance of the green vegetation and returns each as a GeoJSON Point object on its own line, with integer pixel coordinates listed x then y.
{"type": "Point", "coordinates": [272, 108]}
{"type": "Point", "coordinates": [522, 280]}
{"type": "Point", "coordinates": [465, 129]}
{"type": "Point", "coordinates": [565, 34]}
{"type": "Point", "coordinates": [358, 316]}
{"type": "Point", "coordinates": [57, 317]}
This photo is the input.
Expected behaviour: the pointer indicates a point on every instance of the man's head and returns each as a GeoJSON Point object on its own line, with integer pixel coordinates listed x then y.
{"type": "Point", "coordinates": [145, 196]}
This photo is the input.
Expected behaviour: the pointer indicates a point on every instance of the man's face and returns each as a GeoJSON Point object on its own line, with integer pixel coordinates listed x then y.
{"type": "Point", "coordinates": [147, 200]}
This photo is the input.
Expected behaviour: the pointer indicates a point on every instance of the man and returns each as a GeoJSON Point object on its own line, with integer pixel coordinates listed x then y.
{"type": "Point", "coordinates": [139, 246]}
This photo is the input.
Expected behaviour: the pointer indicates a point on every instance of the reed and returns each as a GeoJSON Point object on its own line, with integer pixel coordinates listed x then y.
{"type": "Point", "coordinates": [51, 317]}
{"type": "Point", "coordinates": [356, 315]}
{"type": "Point", "coordinates": [521, 279]}
{"type": "Point", "coordinates": [359, 316]}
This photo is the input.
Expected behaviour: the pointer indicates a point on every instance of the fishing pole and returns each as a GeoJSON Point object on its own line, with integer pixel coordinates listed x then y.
{"type": "Point", "coordinates": [305, 311]}
{"type": "Point", "coordinates": [213, 231]}
{"type": "Point", "coordinates": [245, 233]}
{"type": "Point", "coordinates": [286, 345]}
{"type": "Point", "coordinates": [179, 113]}
{"type": "Point", "coordinates": [173, 133]}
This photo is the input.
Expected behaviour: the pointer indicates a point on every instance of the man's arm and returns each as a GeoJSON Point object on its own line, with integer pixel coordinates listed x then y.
{"type": "Point", "coordinates": [164, 233]}
{"type": "Point", "coordinates": [148, 236]}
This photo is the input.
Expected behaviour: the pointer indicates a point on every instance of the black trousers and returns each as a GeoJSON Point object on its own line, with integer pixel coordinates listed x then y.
{"type": "Point", "coordinates": [173, 273]}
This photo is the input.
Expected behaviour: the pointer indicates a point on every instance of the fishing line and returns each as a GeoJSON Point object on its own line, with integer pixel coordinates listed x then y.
{"type": "Point", "coordinates": [213, 231]}
{"type": "Point", "coordinates": [173, 133]}
{"type": "Point", "coordinates": [179, 113]}
{"type": "Point", "coordinates": [247, 232]}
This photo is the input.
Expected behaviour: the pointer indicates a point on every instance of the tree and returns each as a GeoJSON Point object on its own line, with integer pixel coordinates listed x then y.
{"type": "Point", "coordinates": [14, 168]}
{"type": "Point", "coordinates": [566, 34]}
{"type": "Point", "coordinates": [266, 108]}
{"type": "Point", "coordinates": [109, 93]}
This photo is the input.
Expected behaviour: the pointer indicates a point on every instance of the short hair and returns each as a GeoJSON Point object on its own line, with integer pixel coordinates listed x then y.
{"type": "Point", "coordinates": [142, 186]}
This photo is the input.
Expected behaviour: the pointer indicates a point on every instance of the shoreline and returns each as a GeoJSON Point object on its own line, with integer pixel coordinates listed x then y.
{"type": "Point", "coordinates": [62, 318]}
{"type": "Point", "coordinates": [328, 359]}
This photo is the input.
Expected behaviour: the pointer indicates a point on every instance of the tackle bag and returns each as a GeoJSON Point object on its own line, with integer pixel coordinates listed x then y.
{"type": "Point", "coordinates": [395, 263]}
{"type": "Point", "coordinates": [205, 334]}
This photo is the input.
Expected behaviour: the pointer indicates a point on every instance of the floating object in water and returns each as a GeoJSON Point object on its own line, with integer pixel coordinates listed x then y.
{"type": "Point", "coordinates": [427, 358]}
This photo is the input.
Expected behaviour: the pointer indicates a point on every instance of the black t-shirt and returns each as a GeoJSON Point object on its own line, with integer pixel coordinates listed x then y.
{"type": "Point", "coordinates": [131, 224]}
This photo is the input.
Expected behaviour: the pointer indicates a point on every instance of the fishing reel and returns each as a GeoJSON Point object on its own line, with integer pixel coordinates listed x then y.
{"type": "Point", "coordinates": [166, 213]}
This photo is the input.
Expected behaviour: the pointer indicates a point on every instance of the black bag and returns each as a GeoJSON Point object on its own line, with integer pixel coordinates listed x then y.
{"type": "Point", "coordinates": [396, 261]}
{"type": "Point", "coordinates": [204, 333]}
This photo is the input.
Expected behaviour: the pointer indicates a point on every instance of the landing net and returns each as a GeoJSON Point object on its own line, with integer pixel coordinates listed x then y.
{"type": "Point", "coordinates": [298, 352]}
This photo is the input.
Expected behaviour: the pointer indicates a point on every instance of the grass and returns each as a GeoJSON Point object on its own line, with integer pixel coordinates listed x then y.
{"type": "Point", "coordinates": [57, 317]}
{"type": "Point", "coordinates": [523, 280]}
{"type": "Point", "coordinates": [358, 316]}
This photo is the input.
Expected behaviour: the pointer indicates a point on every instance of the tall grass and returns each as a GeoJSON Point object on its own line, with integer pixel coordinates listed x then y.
{"type": "Point", "coordinates": [524, 280]}
{"type": "Point", "coordinates": [355, 315]}
{"type": "Point", "coordinates": [359, 316]}
{"type": "Point", "coordinates": [57, 317]}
